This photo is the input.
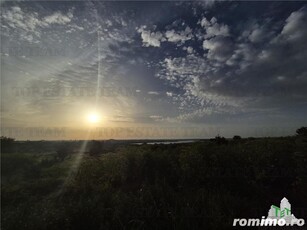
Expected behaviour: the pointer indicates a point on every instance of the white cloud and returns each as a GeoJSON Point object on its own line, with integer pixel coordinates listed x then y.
{"type": "Point", "coordinates": [219, 48]}
{"type": "Point", "coordinates": [281, 78]}
{"type": "Point", "coordinates": [29, 21]}
{"type": "Point", "coordinates": [256, 32]}
{"type": "Point", "coordinates": [28, 24]}
{"type": "Point", "coordinates": [194, 79]}
{"type": "Point", "coordinates": [232, 73]}
{"type": "Point", "coordinates": [243, 55]}
{"type": "Point", "coordinates": [257, 35]}
{"type": "Point", "coordinates": [153, 93]}
{"type": "Point", "coordinates": [179, 36]}
{"type": "Point", "coordinates": [190, 50]}
{"type": "Point", "coordinates": [170, 94]}
{"type": "Point", "coordinates": [155, 117]}
{"type": "Point", "coordinates": [18, 19]}
{"type": "Point", "coordinates": [213, 28]}
{"type": "Point", "coordinates": [150, 38]}
{"type": "Point", "coordinates": [295, 26]}
{"type": "Point", "coordinates": [58, 18]}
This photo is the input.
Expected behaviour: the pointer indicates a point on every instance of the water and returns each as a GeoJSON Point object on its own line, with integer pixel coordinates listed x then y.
{"type": "Point", "coordinates": [165, 142]}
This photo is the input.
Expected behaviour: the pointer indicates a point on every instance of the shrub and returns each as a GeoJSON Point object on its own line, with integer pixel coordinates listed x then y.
{"type": "Point", "coordinates": [7, 144]}
{"type": "Point", "coordinates": [236, 138]}
{"type": "Point", "coordinates": [220, 140]}
{"type": "Point", "coordinates": [302, 131]}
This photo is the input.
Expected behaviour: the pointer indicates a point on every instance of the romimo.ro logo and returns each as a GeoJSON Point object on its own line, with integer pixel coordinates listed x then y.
{"type": "Point", "coordinates": [277, 216]}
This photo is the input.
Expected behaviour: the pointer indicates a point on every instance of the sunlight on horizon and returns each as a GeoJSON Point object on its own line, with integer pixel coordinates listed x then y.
{"type": "Point", "coordinates": [94, 118]}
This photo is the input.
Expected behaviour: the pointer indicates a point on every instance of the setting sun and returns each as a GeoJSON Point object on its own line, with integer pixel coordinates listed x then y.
{"type": "Point", "coordinates": [93, 118]}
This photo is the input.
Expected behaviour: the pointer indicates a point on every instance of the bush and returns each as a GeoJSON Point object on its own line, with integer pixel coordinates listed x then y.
{"type": "Point", "coordinates": [236, 138]}
{"type": "Point", "coordinates": [220, 140]}
{"type": "Point", "coordinates": [7, 144]}
{"type": "Point", "coordinates": [302, 131]}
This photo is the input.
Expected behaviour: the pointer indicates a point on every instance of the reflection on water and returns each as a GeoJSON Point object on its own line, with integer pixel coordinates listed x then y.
{"type": "Point", "coordinates": [165, 142]}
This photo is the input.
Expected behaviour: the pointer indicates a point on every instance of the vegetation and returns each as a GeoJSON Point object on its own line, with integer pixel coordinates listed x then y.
{"type": "Point", "coordinates": [236, 137]}
{"type": "Point", "coordinates": [96, 148]}
{"type": "Point", "coordinates": [220, 140]}
{"type": "Point", "coordinates": [201, 185]}
{"type": "Point", "coordinates": [6, 144]}
{"type": "Point", "coordinates": [302, 131]}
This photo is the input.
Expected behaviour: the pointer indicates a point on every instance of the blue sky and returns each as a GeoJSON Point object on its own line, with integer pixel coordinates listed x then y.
{"type": "Point", "coordinates": [229, 67]}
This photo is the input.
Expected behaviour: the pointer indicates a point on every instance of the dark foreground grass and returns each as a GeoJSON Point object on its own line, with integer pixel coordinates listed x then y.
{"type": "Point", "coordinates": [203, 185]}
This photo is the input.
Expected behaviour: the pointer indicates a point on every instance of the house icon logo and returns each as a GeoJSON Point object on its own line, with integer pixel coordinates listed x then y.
{"type": "Point", "coordinates": [282, 212]}
{"type": "Point", "coordinates": [277, 216]}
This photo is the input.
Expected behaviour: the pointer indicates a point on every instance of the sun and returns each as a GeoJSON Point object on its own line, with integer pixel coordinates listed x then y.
{"type": "Point", "coordinates": [93, 118]}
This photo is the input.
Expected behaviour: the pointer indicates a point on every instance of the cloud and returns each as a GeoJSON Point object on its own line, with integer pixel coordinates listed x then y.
{"type": "Point", "coordinates": [217, 42]}
{"type": "Point", "coordinates": [155, 117]}
{"type": "Point", "coordinates": [219, 48]}
{"type": "Point", "coordinates": [29, 21]}
{"type": "Point", "coordinates": [153, 93]}
{"type": "Point", "coordinates": [169, 94]}
{"type": "Point", "coordinates": [189, 49]}
{"type": "Point", "coordinates": [258, 31]}
{"type": "Point", "coordinates": [150, 38]}
{"type": "Point", "coordinates": [179, 36]}
{"type": "Point", "coordinates": [237, 76]}
{"type": "Point", "coordinates": [16, 18]}
{"type": "Point", "coordinates": [256, 35]}
{"type": "Point", "coordinates": [213, 28]}
{"type": "Point", "coordinates": [28, 25]}
{"type": "Point", "coordinates": [243, 55]}
{"type": "Point", "coordinates": [295, 26]}
{"type": "Point", "coordinates": [58, 18]}
{"type": "Point", "coordinates": [194, 79]}
{"type": "Point", "coordinates": [155, 39]}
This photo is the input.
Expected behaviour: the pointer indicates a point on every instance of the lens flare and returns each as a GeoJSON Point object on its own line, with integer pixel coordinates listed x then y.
{"type": "Point", "coordinates": [93, 118]}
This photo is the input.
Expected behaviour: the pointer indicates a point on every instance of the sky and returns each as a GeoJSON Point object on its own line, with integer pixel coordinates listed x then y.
{"type": "Point", "coordinates": [145, 69]}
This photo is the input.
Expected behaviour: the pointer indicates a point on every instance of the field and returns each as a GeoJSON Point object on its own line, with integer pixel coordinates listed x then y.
{"type": "Point", "coordinates": [117, 185]}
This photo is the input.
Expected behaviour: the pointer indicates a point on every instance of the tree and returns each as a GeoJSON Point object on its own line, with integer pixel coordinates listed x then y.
{"type": "Point", "coordinates": [236, 138]}
{"type": "Point", "coordinates": [302, 132]}
{"type": "Point", "coordinates": [6, 140]}
{"type": "Point", "coordinates": [7, 144]}
{"type": "Point", "coordinates": [220, 140]}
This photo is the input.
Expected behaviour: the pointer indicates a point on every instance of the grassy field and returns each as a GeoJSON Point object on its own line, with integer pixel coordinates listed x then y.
{"type": "Point", "coordinates": [201, 185]}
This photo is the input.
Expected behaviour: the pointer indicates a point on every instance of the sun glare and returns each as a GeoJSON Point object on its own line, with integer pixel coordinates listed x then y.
{"type": "Point", "coordinates": [93, 118]}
